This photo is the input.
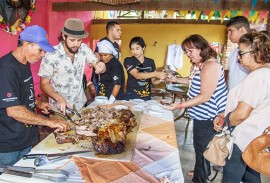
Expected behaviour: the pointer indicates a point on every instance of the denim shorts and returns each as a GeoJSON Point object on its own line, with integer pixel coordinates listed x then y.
{"type": "Point", "coordinates": [10, 158]}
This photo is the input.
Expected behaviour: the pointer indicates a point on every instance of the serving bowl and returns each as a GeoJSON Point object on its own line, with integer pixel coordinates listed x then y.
{"type": "Point", "coordinates": [101, 99]}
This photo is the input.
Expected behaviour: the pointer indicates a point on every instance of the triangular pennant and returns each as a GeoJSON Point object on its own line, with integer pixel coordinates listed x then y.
{"type": "Point", "coordinates": [215, 1]}
{"type": "Point", "coordinates": [239, 13]}
{"type": "Point", "coordinates": [263, 15]}
{"type": "Point", "coordinates": [170, 13]}
{"type": "Point", "coordinates": [210, 15]}
{"type": "Point", "coordinates": [246, 14]}
{"type": "Point", "coordinates": [217, 14]}
{"type": "Point", "coordinates": [228, 14]}
{"type": "Point", "coordinates": [197, 13]}
{"type": "Point", "coordinates": [257, 20]}
{"type": "Point", "coordinates": [253, 15]}
{"type": "Point", "coordinates": [265, 1]}
{"type": "Point", "coordinates": [234, 13]}
{"type": "Point", "coordinates": [183, 13]}
{"type": "Point", "coordinates": [253, 3]}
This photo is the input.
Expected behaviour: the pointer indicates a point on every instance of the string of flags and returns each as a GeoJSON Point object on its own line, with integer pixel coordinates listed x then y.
{"type": "Point", "coordinates": [252, 15]}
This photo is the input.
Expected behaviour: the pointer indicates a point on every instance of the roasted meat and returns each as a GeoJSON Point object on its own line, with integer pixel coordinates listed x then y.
{"type": "Point", "coordinates": [62, 137]}
{"type": "Point", "coordinates": [107, 128]}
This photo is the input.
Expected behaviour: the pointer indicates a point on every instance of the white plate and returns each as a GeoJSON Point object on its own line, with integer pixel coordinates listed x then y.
{"type": "Point", "coordinates": [119, 107]}
{"type": "Point", "coordinates": [101, 99]}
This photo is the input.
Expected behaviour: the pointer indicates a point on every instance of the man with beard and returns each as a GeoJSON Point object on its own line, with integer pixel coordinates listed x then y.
{"type": "Point", "coordinates": [62, 71]}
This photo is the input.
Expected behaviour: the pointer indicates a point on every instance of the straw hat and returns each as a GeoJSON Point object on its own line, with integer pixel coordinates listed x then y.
{"type": "Point", "coordinates": [74, 27]}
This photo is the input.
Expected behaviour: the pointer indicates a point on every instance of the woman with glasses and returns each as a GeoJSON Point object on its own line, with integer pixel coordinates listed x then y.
{"type": "Point", "coordinates": [141, 72]}
{"type": "Point", "coordinates": [249, 104]}
{"type": "Point", "coordinates": [207, 96]}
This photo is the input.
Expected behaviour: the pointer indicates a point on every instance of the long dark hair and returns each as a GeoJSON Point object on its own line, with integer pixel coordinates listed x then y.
{"type": "Point", "coordinates": [199, 42]}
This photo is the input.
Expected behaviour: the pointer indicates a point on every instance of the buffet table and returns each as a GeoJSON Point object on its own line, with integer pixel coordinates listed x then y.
{"type": "Point", "coordinates": [155, 157]}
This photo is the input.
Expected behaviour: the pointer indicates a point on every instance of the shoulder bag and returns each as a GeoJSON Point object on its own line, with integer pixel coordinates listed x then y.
{"type": "Point", "coordinates": [257, 153]}
{"type": "Point", "coordinates": [220, 147]}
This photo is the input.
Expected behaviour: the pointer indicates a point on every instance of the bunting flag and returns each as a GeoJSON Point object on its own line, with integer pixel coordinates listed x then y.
{"type": "Point", "coordinates": [197, 13]}
{"type": "Point", "coordinates": [246, 14]}
{"type": "Point", "coordinates": [263, 16]}
{"type": "Point", "coordinates": [210, 15]}
{"type": "Point", "coordinates": [183, 13]}
{"type": "Point", "coordinates": [253, 3]}
{"type": "Point", "coordinates": [234, 13]}
{"type": "Point", "coordinates": [222, 15]}
{"type": "Point", "coordinates": [253, 15]}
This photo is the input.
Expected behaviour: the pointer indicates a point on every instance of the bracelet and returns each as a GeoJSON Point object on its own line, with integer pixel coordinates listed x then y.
{"type": "Point", "coordinates": [180, 105]}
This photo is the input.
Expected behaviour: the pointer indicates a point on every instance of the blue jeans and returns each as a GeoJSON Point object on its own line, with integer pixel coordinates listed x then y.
{"type": "Point", "coordinates": [203, 132]}
{"type": "Point", "coordinates": [236, 169]}
{"type": "Point", "coordinates": [130, 96]}
{"type": "Point", "coordinates": [10, 158]}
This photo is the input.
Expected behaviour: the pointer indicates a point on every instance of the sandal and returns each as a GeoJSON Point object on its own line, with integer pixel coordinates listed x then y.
{"type": "Point", "coordinates": [190, 173]}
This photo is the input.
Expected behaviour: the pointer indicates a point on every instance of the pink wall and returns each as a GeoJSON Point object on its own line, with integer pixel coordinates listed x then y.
{"type": "Point", "coordinates": [52, 22]}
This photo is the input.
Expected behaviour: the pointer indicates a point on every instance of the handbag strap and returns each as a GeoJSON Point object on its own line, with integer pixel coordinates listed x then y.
{"type": "Point", "coordinates": [228, 123]}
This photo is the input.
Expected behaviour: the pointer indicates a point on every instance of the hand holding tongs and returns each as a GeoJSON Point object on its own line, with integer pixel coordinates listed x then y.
{"type": "Point", "coordinates": [33, 172]}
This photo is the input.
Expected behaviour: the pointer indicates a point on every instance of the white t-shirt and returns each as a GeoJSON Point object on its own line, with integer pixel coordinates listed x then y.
{"type": "Point", "coordinates": [254, 90]}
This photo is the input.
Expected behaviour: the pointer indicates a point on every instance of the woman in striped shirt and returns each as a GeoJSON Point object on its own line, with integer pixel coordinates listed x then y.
{"type": "Point", "coordinates": [207, 96]}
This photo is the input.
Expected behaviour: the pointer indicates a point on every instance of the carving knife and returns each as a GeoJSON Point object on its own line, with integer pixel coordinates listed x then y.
{"type": "Point", "coordinates": [33, 156]}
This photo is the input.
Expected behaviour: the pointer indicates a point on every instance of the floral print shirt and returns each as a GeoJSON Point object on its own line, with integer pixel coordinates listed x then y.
{"type": "Point", "coordinates": [66, 77]}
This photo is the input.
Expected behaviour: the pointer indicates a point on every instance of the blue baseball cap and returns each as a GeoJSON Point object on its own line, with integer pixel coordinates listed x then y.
{"type": "Point", "coordinates": [36, 34]}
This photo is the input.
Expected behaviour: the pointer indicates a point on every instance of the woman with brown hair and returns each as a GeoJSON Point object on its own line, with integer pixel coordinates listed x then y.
{"type": "Point", "coordinates": [207, 96]}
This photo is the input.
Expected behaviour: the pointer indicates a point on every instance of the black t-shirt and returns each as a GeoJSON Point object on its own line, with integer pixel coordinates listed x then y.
{"type": "Point", "coordinates": [115, 45]}
{"type": "Point", "coordinates": [114, 75]}
{"type": "Point", "coordinates": [17, 88]}
{"type": "Point", "coordinates": [140, 87]}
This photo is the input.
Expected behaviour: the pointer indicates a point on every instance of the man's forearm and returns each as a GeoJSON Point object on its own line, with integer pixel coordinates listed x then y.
{"type": "Point", "coordinates": [49, 91]}
{"type": "Point", "coordinates": [24, 115]}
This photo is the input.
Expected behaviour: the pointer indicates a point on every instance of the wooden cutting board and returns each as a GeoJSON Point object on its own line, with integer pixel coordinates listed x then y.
{"type": "Point", "coordinates": [49, 145]}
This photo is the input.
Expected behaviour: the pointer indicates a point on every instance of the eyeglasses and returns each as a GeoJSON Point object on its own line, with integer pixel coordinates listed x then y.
{"type": "Point", "coordinates": [241, 53]}
{"type": "Point", "coordinates": [189, 51]}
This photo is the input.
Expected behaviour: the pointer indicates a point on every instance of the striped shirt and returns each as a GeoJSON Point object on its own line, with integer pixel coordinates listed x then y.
{"type": "Point", "coordinates": [214, 106]}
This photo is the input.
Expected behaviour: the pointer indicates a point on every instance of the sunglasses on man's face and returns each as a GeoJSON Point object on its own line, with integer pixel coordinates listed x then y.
{"type": "Point", "coordinates": [241, 53]}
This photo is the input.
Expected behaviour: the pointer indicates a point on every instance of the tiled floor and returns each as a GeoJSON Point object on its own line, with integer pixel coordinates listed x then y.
{"type": "Point", "coordinates": [187, 154]}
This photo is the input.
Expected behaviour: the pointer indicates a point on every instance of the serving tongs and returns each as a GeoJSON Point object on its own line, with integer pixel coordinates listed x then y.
{"type": "Point", "coordinates": [51, 111]}
{"type": "Point", "coordinates": [61, 175]}
{"type": "Point", "coordinates": [74, 111]}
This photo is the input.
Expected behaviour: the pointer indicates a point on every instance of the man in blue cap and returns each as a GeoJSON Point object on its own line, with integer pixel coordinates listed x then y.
{"type": "Point", "coordinates": [18, 119]}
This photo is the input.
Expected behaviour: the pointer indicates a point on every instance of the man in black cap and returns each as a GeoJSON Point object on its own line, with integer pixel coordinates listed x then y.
{"type": "Point", "coordinates": [62, 71]}
{"type": "Point", "coordinates": [18, 118]}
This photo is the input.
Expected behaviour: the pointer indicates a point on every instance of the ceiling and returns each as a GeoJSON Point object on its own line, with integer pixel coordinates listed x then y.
{"type": "Point", "coordinates": [104, 5]}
